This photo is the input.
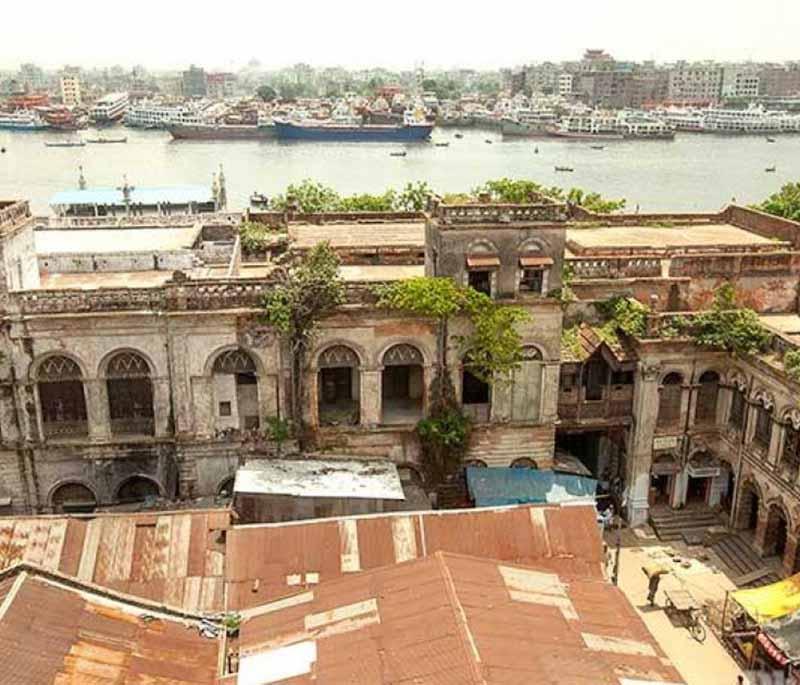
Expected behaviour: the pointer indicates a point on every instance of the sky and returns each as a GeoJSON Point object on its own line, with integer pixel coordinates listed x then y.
{"type": "Point", "coordinates": [169, 34]}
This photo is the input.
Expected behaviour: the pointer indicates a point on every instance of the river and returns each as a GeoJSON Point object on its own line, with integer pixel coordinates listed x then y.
{"type": "Point", "coordinates": [694, 172]}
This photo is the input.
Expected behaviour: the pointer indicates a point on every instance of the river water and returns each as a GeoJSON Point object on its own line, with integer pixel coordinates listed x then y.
{"type": "Point", "coordinates": [692, 173]}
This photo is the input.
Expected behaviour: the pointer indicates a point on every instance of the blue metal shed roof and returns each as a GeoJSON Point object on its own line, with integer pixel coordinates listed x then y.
{"type": "Point", "coordinates": [491, 487]}
{"type": "Point", "coordinates": [176, 195]}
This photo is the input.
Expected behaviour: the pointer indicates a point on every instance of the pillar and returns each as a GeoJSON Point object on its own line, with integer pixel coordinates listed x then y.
{"type": "Point", "coordinates": [790, 555]}
{"type": "Point", "coordinates": [548, 392]}
{"type": "Point", "coordinates": [203, 394]}
{"type": "Point", "coordinates": [640, 450]}
{"type": "Point", "coordinates": [97, 409]}
{"type": "Point", "coordinates": [775, 442]}
{"type": "Point", "coordinates": [370, 397]}
{"type": "Point", "coordinates": [161, 407]}
{"type": "Point", "coordinates": [760, 540]}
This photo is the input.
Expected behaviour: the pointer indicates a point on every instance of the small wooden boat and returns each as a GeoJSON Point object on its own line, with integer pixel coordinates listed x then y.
{"type": "Point", "coordinates": [442, 144]}
{"type": "Point", "coordinates": [598, 147]}
{"type": "Point", "coordinates": [398, 154]}
{"type": "Point", "coordinates": [107, 140]}
{"type": "Point", "coordinates": [489, 142]}
{"type": "Point", "coordinates": [564, 168]}
{"type": "Point", "coordinates": [259, 199]}
{"type": "Point", "coordinates": [459, 135]}
{"type": "Point", "coordinates": [65, 143]}
{"type": "Point", "coordinates": [770, 140]}
{"type": "Point", "coordinates": [536, 150]}
{"type": "Point", "coordinates": [770, 169]}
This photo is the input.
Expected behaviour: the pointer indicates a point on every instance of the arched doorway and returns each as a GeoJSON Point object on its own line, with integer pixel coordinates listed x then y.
{"type": "Point", "coordinates": [72, 498]}
{"type": "Point", "coordinates": [339, 387]}
{"type": "Point", "coordinates": [706, 411]}
{"type": "Point", "coordinates": [61, 398]}
{"type": "Point", "coordinates": [776, 532]}
{"type": "Point", "coordinates": [225, 490]}
{"type": "Point", "coordinates": [402, 385]}
{"type": "Point", "coordinates": [749, 504]}
{"type": "Point", "coordinates": [130, 395]}
{"type": "Point", "coordinates": [137, 489]}
{"type": "Point", "coordinates": [669, 401]}
{"type": "Point", "coordinates": [476, 395]}
{"type": "Point", "coordinates": [236, 391]}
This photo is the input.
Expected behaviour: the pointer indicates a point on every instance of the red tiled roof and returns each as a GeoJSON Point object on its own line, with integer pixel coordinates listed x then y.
{"type": "Point", "coordinates": [174, 558]}
{"type": "Point", "coordinates": [451, 619]}
{"type": "Point", "coordinates": [268, 561]}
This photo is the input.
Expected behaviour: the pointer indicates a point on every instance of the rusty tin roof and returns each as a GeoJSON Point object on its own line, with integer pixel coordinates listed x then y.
{"type": "Point", "coordinates": [175, 558]}
{"type": "Point", "coordinates": [271, 560]}
{"type": "Point", "coordinates": [453, 619]}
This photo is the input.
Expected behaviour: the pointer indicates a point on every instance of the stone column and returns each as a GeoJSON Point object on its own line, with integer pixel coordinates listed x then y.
{"type": "Point", "coordinates": [775, 442]}
{"type": "Point", "coordinates": [161, 407]}
{"type": "Point", "coordinates": [640, 451]}
{"type": "Point", "coordinates": [203, 394]}
{"type": "Point", "coordinates": [761, 529]}
{"type": "Point", "coordinates": [501, 395]}
{"type": "Point", "coordinates": [97, 409]}
{"type": "Point", "coordinates": [370, 397]}
{"type": "Point", "coordinates": [548, 392]}
{"type": "Point", "coordinates": [790, 554]}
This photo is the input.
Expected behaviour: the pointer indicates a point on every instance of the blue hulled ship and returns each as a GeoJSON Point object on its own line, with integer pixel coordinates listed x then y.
{"type": "Point", "coordinates": [348, 130]}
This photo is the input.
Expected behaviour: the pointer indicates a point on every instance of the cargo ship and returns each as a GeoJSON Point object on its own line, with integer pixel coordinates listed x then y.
{"type": "Point", "coordinates": [353, 131]}
{"type": "Point", "coordinates": [202, 131]}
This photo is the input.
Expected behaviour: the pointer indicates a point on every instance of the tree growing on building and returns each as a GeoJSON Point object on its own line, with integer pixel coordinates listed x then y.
{"type": "Point", "coordinates": [785, 203]}
{"type": "Point", "coordinates": [306, 293]}
{"type": "Point", "coordinates": [492, 350]}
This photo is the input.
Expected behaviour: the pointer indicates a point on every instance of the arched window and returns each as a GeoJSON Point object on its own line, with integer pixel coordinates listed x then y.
{"type": "Point", "coordinates": [73, 498]}
{"type": "Point", "coordinates": [137, 489]}
{"type": "Point", "coordinates": [736, 415]}
{"type": "Point", "coordinates": [338, 386]}
{"type": "Point", "coordinates": [790, 457]}
{"type": "Point", "coordinates": [130, 395]}
{"type": "Point", "coordinates": [236, 391]}
{"type": "Point", "coordinates": [61, 398]}
{"type": "Point", "coordinates": [706, 411]}
{"type": "Point", "coordinates": [669, 401]}
{"type": "Point", "coordinates": [524, 463]}
{"type": "Point", "coordinates": [226, 489]}
{"type": "Point", "coordinates": [402, 385]}
{"type": "Point", "coordinates": [763, 431]}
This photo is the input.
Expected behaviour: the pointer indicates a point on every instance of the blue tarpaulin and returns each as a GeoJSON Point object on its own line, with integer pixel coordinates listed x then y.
{"type": "Point", "coordinates": [492, 487]}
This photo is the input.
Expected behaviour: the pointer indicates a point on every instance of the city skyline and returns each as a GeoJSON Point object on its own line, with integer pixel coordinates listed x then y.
{"type": "Point", "coordinates": [353, 35]}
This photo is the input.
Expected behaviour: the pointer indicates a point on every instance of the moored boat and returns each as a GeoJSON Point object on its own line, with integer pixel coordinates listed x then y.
{"type": "Point", "coordinates": [23, 120]}
{"type": "Point", "coordinates": [327, 131]}
{"type": "Point", "coordinates": [197, 131]}
{"type": "Point", "coordinates": [102, 141]}
{"type": "Point", "coordinates": [65, 143]}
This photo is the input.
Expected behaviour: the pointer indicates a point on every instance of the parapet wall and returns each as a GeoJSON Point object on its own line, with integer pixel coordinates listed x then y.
{"type": "Point", "coordinates": [764, 224]}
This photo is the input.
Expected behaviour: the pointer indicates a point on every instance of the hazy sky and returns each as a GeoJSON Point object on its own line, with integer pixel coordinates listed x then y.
{"type": "Point", "coordinates": [401, 33]}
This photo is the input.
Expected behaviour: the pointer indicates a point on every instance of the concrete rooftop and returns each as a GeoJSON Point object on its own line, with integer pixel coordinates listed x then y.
{"type": "Point", "coordinates": [662, 237]}
{"type": "Point", "coordinates": [359, 235]}
{"type": "Point", "coordinates": [114, 240]}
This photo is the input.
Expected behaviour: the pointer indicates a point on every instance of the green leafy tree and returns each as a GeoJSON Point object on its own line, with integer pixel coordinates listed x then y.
{"type": "Point", "coordinates": [727, 327]}
{"type": "Point", "coordinates": [306, 293]}
{"type": "Point", "coordinates": [785, 203]}
{"type": "Point", "coordinates": [413, 197]}
{"type": "Point", "coordinates": [365, 202]}
{"type": "Point", "coordinates": [266, 93]}
{"type": "Point", "coordinates": [309, 196]}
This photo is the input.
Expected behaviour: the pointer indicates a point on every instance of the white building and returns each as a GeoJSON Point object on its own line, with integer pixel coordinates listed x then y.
{"type": "Point", "coordinates": [740, 81]}
{"type": "Point", "coordinates": [565, 82]}
{"type": "Point", "coordinates": [70, 90]}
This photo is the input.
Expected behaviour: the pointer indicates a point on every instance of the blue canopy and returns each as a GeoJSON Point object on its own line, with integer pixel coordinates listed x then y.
{"type": "Point", "coordinates": [175, 195]}
{"type": "Point", "coordinates": [491, 487]}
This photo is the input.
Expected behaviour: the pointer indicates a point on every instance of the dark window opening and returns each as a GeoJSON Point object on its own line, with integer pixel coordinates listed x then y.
{"type": "Point", "coordinates": [790, 459]}
{"type": "Point", "coordinates": [63, 408]}
{"type": "Point", "coordinates": [474, 390]}
{"type": "Point", "coordinates": [532, 280]}
{"type": "Point", "coordinates": [481, 281]}
{"type": "Point", "coordinates": [707, 398]}
{"type": "Point", "coordinates": [130, 406]}
{"type": "Point", "coordinates": [669, 403]}
{"type": "Point", "coordinates": [225, 409]}
{"type": "Point", "coordinates": [763, 431]}
{"type": "Point", "coordinates": [73, 498]}
{"type": "Point", "coordinates": [137, 489]}
{"type": "Point", "coordinates": [567, 381]}
{"type": "Point", "coordinates": [622, 378]}
{"type": "Point", "coordinates": [337, 402]}
{"type": "Point", "coordinates": [736, 418]}
{"type": "Point", "coordinates": [594, 380]}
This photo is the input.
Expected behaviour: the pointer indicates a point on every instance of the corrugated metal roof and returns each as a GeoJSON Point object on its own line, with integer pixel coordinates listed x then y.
{"type": "Point", "coordinates": [358, 478]}
{"type": "Point", "coordinates": [452, 619]}
{"type": "Point", "coordinates": [497, 486]}
{"type": "Point", "coordinates": [177, 195]}
{"type": "Point", "coordinates": [175, 558]}
{"type": "Point", "coordinates": [268, 561]}
{"type": "Point", "coordinates": [54, 634]}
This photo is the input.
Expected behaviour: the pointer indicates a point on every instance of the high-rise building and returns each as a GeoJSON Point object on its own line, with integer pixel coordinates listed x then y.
{"type": "Point", "coordinates": [697, 82]}
{"type": "Point", "coordinates": [70, 90]}
{"type": "Point", "coordinates": [195, 83]}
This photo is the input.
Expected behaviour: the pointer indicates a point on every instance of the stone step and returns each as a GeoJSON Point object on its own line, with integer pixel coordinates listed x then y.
{"type": "Point", "coordinates": [671, 525]}
{"type": "Point", "coordinates": [740, 557]}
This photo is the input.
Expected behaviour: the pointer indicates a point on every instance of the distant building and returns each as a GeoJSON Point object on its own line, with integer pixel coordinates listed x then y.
{"type": "Point", "coordinates": [195, 84]}
{"type": "Point", "coordinates": [70, 90]}
{"type": "Point", "coordinates": [220, 85]}
{"type": "Point", "coordinates": [565, 84]}
{"type": "Point", "coordinates": [32, 78]}
{"type": "Point", "coordinates": [698, 82]}
{"type": "Point", "coordinates": [779, 80]}
{"type": "Point", "coordinates": [740, 81]}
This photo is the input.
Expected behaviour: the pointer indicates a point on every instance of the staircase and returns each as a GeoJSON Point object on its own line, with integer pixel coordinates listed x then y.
{"type": "Point", "coordinates": [674, 524]}
{"type": "Point", "coordinates": [743, 561]}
